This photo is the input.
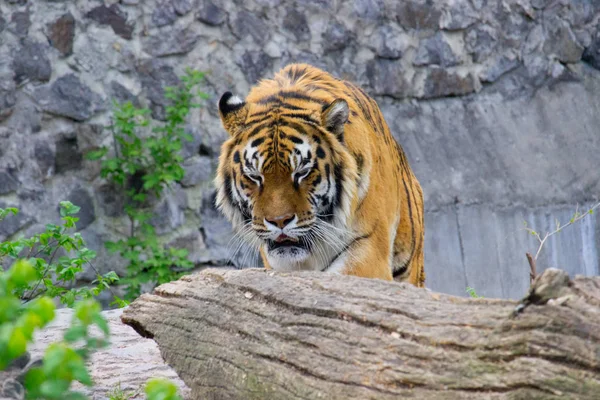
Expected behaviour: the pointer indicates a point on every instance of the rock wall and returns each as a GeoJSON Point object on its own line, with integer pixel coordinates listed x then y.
{"type": "Point", "coordinates": [496, 103]}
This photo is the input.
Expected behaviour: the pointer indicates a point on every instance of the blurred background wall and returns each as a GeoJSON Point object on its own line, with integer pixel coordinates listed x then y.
{"type": "Point", "coordinates": [497, 104]}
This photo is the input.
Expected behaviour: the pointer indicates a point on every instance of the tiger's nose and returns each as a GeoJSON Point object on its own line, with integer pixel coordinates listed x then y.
{"type": "Point", "coordinates": [281, 221]}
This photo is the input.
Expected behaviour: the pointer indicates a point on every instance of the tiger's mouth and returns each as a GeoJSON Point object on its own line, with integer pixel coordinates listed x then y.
{"type": "Point", "coordinates": [286, 242]}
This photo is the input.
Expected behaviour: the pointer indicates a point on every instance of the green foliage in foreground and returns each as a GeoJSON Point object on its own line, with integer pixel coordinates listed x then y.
{"type": "Point", "coordinates": [144, 163]}
{"type": "Point", "coordinates": [57, 255]}
{"type": "Point", "coordinates": [62, 364]}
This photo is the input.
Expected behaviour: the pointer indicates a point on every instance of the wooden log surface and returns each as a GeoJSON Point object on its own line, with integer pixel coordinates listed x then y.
{"type": "Point", "coordinates": [256, 334]}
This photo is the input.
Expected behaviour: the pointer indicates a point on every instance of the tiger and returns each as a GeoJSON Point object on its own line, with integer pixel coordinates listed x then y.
{"type": "Point", "coordinates": [312, 178]}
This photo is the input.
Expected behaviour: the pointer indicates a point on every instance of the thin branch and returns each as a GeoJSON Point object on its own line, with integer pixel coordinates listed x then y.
{"type": "Point", "coordinates": [533, 259]}
{"type": "Point", "coordinates": [31, 294]}
{"type": "Point", "coordinates": [532, 267]}
{"type": "Point", "coordinates": [98, 274]}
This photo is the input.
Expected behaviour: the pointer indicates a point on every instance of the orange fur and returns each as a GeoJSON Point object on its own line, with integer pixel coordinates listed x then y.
{"type": "Point", "coordinates": [380, 202]}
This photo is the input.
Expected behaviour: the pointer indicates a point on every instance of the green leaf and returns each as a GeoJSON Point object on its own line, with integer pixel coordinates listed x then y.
{"type": "Point", "coordinates": [75, 333]}
{"type": "Point", "coordinates": [161, 389]}
{"type": "Point", "coordinates": [21, 273]}
{"type": "Point", "coordinates": [33, 381]}
{"type": "Point", "coordinates": [17, 343]}
{"type": "Point", "coordinates": [54, 388]}
{"type": "Point", "coordinates": [99, 320]}
{"type": "Point", "coordinates": [96, 154]}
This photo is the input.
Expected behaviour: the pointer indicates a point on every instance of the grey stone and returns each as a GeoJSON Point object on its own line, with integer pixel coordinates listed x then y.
{"type": "Point", "coordinates": [369, 9]}
{"type": "Point", "coordinates": [561, 42]}
{"type": "Point", "coordinates": [336, 37]}
{"type": "Point", "coordinates": [2, 22]}
{"type": "Point", "coordinates": [217, 233]}
{"type": "Point", "coordinates": [190, 148]}
{"type": "Point", "coordinates": [30, 62]}
{"type": "Point", "coordinates": [386, 77]}
{"type": "Point", "coordinates": [459, 16]}
{"type": "Point", "coordinates": [61, 34]}
{"type": "Point", "coordinates": [537, 67]}
{"type": "Point", "coordinates": [295, 22]}
{"type": "Point", "coordinates": [20, 23]}
{"type": "Point", "coordinates": [121, 94]}
{"type": "Point", "coordinates": [125, 61]}
{"type": "Point", "coordinates": [44, 157]}
{"type": "Point", "coordinates": [168, 214]}
{"type": "Point", "coordinates": [8, 183]}
{"type": "Point", "coordinates": [114, 17]}
{"type": "Point", "coordinates": [81, 197]}
{"type": "Point", "coordinates": [497, 67]}
{"type": "Point", "coordinates": [193, 242]}
{"type": "Point", "coordinates": [167, 11]}
{"type": "Point", "coordinates": [418, 14]}
{"type": "Point", "coordinates": [32, 191]}
{"type": "Point", "coordinates": [254, 65]}
{"type": "Point", "coordinates": [481, 42]}
{"type": "Point", "coordinates": [111, 200]}
{"type": "Point", "coordinates": [155, 75]}
{"type": "Point", "coordinates": [591, 55]}
{"type": "Point", "coordinates": [197, 170]}
{"type": "Point", "coordinates": [440, 83]}
{"type": "Point", "coordinates": [68, 156]}
{"type": "Point", "coordinates": [69, 97]}
{"type": "Point", "coordinates": [13, 223]}
{"type": "Point", "coordinates": [8, 97]}
{"type": "Point", "coordinates": [247, 24]}
{"type": "Point", "coordinates": [182, 7]}
{"type": "Point", "coordinates": [164, 14]}
{"type": "Point", "coordinates": [436, 51]}
{"type": "Point", "coordinates": [210, 14]}
{"type": "Point", "coordinates": [180, 41]}
{"type": "Point", "coordinates": [390, 41]}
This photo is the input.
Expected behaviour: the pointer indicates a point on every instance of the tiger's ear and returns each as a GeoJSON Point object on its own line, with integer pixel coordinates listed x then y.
{"type": "Point", "coordinates": [233, 111]}
{"type": "Point", "coordinates": [335, 116]}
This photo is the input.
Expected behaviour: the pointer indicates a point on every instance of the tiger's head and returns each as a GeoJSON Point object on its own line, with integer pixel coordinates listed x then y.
{"type": "Point", "coordinates": [285, 179]}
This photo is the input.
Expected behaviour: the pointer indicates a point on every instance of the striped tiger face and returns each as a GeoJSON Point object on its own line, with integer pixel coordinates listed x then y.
{"type": "Point", "coordinates": [278, 176]}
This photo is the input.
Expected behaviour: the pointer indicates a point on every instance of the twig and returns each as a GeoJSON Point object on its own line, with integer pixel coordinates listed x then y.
{"type": "Point", "coordinates": [533, 259]}
{"type": "Point", "coordinates": [31, 294]}
{"type": "Point", "coordinates": [98, 274]}
{"type": "Point", "coordinates": [532, 273]}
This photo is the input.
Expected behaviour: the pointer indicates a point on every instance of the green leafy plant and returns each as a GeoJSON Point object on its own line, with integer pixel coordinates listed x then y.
{"type": "Point", "coordinates": [58, 255]}
{"type": "Point", "coordinates": [62, 364]}
{"type": "Point", "coordinates": [144, 163]}
{"type": "Point", "coordinates": [119, 394]}
{"type": "Point", "coordinates": [471, 291]}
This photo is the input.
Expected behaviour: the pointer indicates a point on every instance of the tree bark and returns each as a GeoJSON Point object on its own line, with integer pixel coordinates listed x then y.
{"type": "Point", "coordinates": [256, 334]}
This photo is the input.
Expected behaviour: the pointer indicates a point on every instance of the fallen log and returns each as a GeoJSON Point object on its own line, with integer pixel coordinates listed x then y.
{"type": "Point", "coordinates": [255, 334]}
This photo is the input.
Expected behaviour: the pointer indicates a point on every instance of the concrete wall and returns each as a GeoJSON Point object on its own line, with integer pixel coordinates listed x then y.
{"type": "Point", "coordinates": [496, 103]}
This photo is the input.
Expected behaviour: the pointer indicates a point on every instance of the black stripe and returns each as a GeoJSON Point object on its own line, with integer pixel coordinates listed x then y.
{"type": "Point", "coordinates": [339, 181]}
{"type": "Point", "coordinates": [346, 248]}
{"type": "Point", "coordinates": [264, 116]}
{"type": "Point", "coordinates": [412, 226]}
{"type": "Point", "coordinates": [228, 192]}
{"type": "Point", "coordinates": [257, 142]}
{"type": "Point", "coordinates": [400, 271]}
{"type": "Point", "coordinates": [295, 139]}
{"type": "Point", "coordinates": [303, 117]}
{"type": "Point", "coordinates": [301, 96]}
{"type": "Point", "coordinates": [258, 128]}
